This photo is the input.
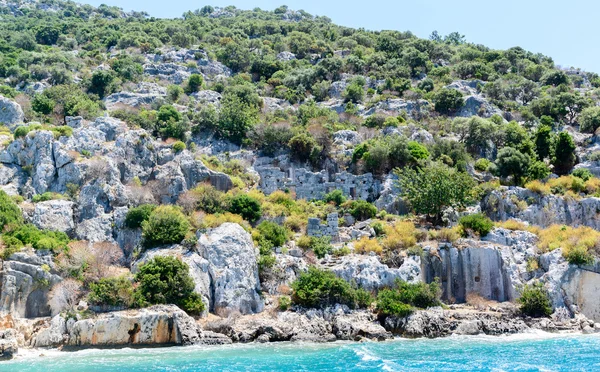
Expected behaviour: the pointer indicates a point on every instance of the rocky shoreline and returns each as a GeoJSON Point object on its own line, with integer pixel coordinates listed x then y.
{"type": "Point", "coordinates": [167, 325]}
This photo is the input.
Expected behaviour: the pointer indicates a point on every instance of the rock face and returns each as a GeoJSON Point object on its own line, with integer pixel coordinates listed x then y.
{"type": "Point", "coordinates": [581, 288]}
{"type": "Point", "coordinates": [541, 210]}
{"type": "Point", "coordinates": [156, 325]}
{"type": "Point", "coordinates": [233, 270]}
{"type": "Point", "coordinates": [11, 114]}
{"type": "Point", "coordinates": [26, 279]}
{"type": "Point", "coordinates": [477, 270]}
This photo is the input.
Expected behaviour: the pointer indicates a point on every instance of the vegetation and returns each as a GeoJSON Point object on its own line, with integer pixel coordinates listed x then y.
{"type": "Point", "coordinates": [318, 288]}
{"type": "Point", "coordinates": [403, 298]}
{"type": "Point", "coordinates": [432, 189]}
{"type": "Point", "coordinates": [477, 223]}
{"type": "Point", "coordinates": [165, 225]}
{"type": "Point", "coordinates": [577, 244]}
{"type": "Point", "coordinates": [534, 301]}
{"type": "Point", "coordinates": [166, 280]}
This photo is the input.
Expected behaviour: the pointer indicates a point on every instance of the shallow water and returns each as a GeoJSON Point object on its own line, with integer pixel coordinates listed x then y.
{"type": "Point", "coordinates": [525, 352]}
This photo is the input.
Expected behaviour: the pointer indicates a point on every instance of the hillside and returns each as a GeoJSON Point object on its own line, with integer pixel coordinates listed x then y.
{"type": "Point", "coordinates": [232, 162]}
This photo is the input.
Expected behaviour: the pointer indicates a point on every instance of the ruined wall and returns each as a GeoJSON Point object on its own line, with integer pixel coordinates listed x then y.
{"type": "Point", "coordinates": [314, 185]}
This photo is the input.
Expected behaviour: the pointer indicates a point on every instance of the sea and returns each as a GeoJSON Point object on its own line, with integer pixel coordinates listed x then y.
{"type": "Point", "coordinates": [537, 351]}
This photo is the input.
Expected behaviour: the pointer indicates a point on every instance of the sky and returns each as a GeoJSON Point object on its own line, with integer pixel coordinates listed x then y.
{"type": "Point", "coordinates": [565, 31]}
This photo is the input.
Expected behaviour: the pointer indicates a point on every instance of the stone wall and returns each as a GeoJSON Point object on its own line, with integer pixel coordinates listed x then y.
{"type": "Point", "coordinates": [315, 228]}
{"type": "Point", "coordinates": [314, 185]}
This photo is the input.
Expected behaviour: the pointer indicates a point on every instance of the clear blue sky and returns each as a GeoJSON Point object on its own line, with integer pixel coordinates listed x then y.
{"type": "Point", "coordinates": [564, 30]}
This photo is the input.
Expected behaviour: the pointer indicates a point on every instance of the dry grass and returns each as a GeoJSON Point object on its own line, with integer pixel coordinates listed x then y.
{"type": "Point", "coordinates": [513, 225]}
{"type": "Point", "coordinates": [538, 187]}
{"type": "Point", "coordinates": [479, 302]}
{"type": "Point", "coordinates": [400, 236]}
{"type": "Point", "coordinates": [366, 245]}
{"type": "Point", "coordinates": [567, 238]}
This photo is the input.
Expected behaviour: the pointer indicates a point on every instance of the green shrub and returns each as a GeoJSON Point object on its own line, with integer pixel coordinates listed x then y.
{"type": "Point", "coordinates": [417, 151]}
{"type": "Point", "coordinates": [447, 101]}
{"type": "Point", "coordinates": [46, 196]}
{"type": "Point", "coordinates": [477, 222]}
{"type": "Point", "coordinates": [401, 299]}
{"type": "Point", "coordinates": [179, 146]}
{"type": "Point", "coordinates": [321, 246]}
{"type": "Point", "coordinates": [482, 164]}
{"type": "Point", "coordinates": [209, 199]}
{"type": "Point", "coordinates": [336, 197]}
{"type": "Point", "coordinates": [362, 210]}
{"type": "Point", "coordinates": [136, 216]}
{"type": "Point", "coordinates": [115, 291]}
{"type": "Point", "coordinates": [534, 301]}
{"type": "Point", "coordinates": [166, 280]}
{"type": "Point", "coordinates": [38, 239]}
{"type": "Point", "coordinates": [10, 213]}
{"type": "Point", "coordinates": [246, 206]}
{"type": "Point", "coordinates": [194, 83]}
{"type": "Point", "coordinates": [166, 225]}
{"type": "Point", "coordinates": [321, 288]}
{"type": "Point", "coordinates": [583, 173]}
{"type": "Point", "coordinates": [579, 255]}
{"type": "Point", "coordinates": [302, 146]}
{"type": "Point", "coordinates": [284, 303]}
{"type": "Point", "coordinates": [277, 235]}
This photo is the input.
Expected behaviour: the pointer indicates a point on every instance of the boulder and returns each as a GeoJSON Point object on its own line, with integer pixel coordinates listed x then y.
{"type": "Point", "coordinates": [8, 343]}
{"type": "Point", "coordinates": [233, 269]}
{"type": "Point", "coordinates": [477, 105]}
{"type": "Point", "coordinates": [11, 114]}
{"type": "Point", "coordinates": [369, 273]}
{"type": "Point", "coordinates": [156, 325]}
{"type": "Point", "coordinates": [53, 336]}
{"type": "Point", "coordinates": [56, 215]}
{"type": "Point", "coordinates": [26, 278]}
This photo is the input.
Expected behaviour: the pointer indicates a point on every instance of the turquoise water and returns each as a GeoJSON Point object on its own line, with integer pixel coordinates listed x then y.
{"type": "Point", "coordinates": [533, 352]}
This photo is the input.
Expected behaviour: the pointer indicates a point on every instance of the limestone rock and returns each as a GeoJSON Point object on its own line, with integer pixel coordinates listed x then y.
{"type": "Point", "coordinates": [8, 343]}
{"type": "Point", "coordinates": [11, 113]}
{"type": "Point", "coordinates": [26, 278]}
{"type": "Point", "coordinates": [156, 325]}
{"type": "Point", "coordinates": [232, 268]}
{"type": "Point", "coordinates": [369, 273]}
{"type": "Point", "coordinates": [52, 336]}
{"type": "Point", "coordinates": [56, 215]}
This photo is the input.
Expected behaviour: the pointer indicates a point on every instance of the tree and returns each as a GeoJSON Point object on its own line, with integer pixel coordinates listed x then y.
{"type": "Point", "coordinates": [302, 146]}
{"type": "Point", "coordinates": [564, 154]}
{"type": "Point", "coordinates": [447, 101]}
{"type": "Point", "coordinates": [102, 83]}
{"type": "Point", "coordinates": [166, 280]}
{"type": "Point", "coordinates": [571, 105]}
{"type": "Point", "coordinates": [543, 142]}
{"type": "Point", "coordinates": [236, 118]}
{"type": "Point", "coordinates": [165, 225]}
{"type": "Point", "coordinates": [64, 296]}
{"type": "Point", "coordinates": [512, 162]}
{"type": "Point", "coordinates": [194, 83]}
{"type": "Point", "coordinates": [431, 189]}
{"type": "Point", "coordinates": [589, 120]}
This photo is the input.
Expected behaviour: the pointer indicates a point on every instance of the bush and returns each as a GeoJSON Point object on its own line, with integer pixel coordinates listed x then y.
{"type": "Point", "coordinates": [400, 236]}
{"type": "Point", "coordinates": [136, 216]}
{"type": "Point", "coordinates": [582, 173]}
{"type": "Point", "coordinates": [447, 101]}
{"type": "Point", "coordinates": [166, 280]}
{"type": "Point", "coordinates": [320, 246]}
{"type": "Point", "coordinates": [318, 288]}
{"type": "Point", "coordinates": [302, 146]}
{"type": "Point", "coordinates": [284, 303]}
{"type": "Point", "coordinates": [534, 301]}
{"type": "Point", "coordinates": [336, 197]}
{"type": "Point", "coordinates": [362, 210]}
{"type": "Point", "coordinates": [115, 291]}
{"type": "Point", "coordinates": [477, 223]}
{"type": "Point", "coordinates": [208, 198]}
{"type": "Point", "coordinates": [400, 300]}
{"type": "Point", "coordinates": [272, 232]}
{"type": "Point", "coordinates": [10, 213]}
{"type": "Point", "coordinates": [246, 206]}
{"type": "Point", "coordinates": [194, 83]}
{"type": "Point", "coordinates": [179, 146]}
{"type": "Point", "coordinates": [38, 239]}
{"type": "Point", "coordinates": [366, 245]}
{"type": "Point", "coordinates": [564, 154]}
{"type": "Point", "coordinates": [482, 164]}
{"type": "Point", "coordinates": [165, 225]}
